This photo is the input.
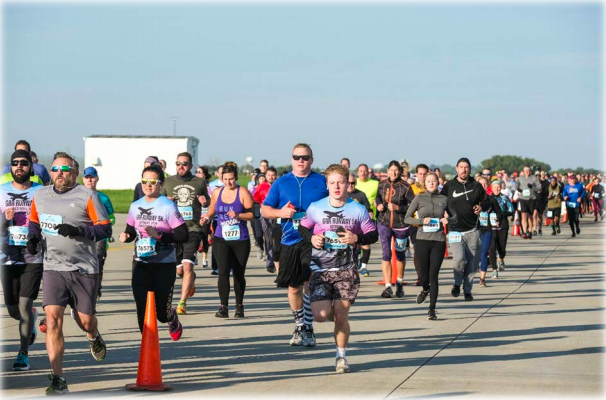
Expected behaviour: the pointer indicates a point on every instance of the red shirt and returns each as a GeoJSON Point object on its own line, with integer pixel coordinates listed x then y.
{"type": "Point", "coordinates": [261, 192]}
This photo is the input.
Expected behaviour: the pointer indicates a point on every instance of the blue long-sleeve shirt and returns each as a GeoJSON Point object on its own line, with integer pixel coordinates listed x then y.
{"type": "Point", "coordinates": [574, 192]}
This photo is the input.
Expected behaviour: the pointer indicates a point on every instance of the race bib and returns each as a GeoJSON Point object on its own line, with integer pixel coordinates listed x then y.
{"type": "Point", "coordinates": [483, 218]}
{"type": "Point", "coordinates": [48, 224]}
{"type": "Point", "coordinates": [204, 210]}
{"type": "Point", "coordinates": [279, 221]}
{"type": "Point", "coordinates": [187, 213]}
{"type": "Point", "coordinates": [332, 241]}
{"type": "Point", "coordinates": [572, 204]}
{"type": "Point", "coordinates": [401, 244]}
{"type": "Point", "coordinates": [596, 195]}
{"type": "Point", "coordinates": [549, 214]}
{"type": "Point", "coordinates": [231, 232]}
{"type": "Point", "coordinates": [454, 237]}
{"type": "Point", "coordinates": [17, 235]}
{"type": "Point", "coordinates": [146, 247]}
{"type": "Point", "coordinates": [526, 192]}
{"type": "Point", "coordinates": [432, 226]}
{"type": "Point", "coordinates": [493, 219]}
{"type": "Point", "coordinates": [296, 219]}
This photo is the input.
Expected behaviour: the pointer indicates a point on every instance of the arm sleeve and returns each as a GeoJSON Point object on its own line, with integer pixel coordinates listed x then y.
{"type": "Point", "coordinates": [368, 238]}
{"type": "Point", "coordinates": [305, 233]}
{"type": "Point", "coordinates": [132, 233]}
{"type": "Point", "coordinates": [179, 235]}
{"type": "Point", "coordinates": [409, 218]}
{"type": "Point", "coordinates": [97, 232]}
{"type": "Point", "coordinates": [409, 195]}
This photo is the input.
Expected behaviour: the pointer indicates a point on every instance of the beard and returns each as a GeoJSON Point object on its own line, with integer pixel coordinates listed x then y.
{"type": "Point", "coordinates": [20, 179]}
{"type": "Point", "coordinates": [67, 183]}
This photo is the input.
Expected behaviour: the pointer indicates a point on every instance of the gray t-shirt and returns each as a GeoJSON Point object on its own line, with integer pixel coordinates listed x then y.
{"type": "Point", "coordinates": [79, 206]}
{"type": "Point", "coordinates": [528, 193]}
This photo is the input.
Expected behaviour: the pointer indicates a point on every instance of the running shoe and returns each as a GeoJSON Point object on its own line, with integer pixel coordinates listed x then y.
{"type": "Point", "coordinates": [341, 365]}
{"type": "Point", "coordinates": [239, 311]}
{"type": "Point", "coordinates": [535, 233]}
{"type": "Point", "coordinates": [431, 315]}
{"type": "Point", "coordinates": [456, 290]}
{"type": "Point", "coordinates": [58, 385]}
{"type": "Point", "coordinates": [98, 347]}
{"type": "Point", "coordinates": [32, 340]}
{"type": "Point", "coordinates": [578, 230]}
{"type": "Point", "coordinates": [175, 328]}
{"type": "Point", "coordinates": [482, 283]}
{"type": "Point", "coordinates": [192, 291]}
{"type": "Point", "coordinates": [573, 234]}
{"type": "Point", "coordinates": [399, 289]}
{"type": "Point", "coordinates": [205, 263]}
{"type": "Point", "coordinates": [540, 232]}
{"type": "Point", "coordinates": [296, 340]}
{"type": "Point", "coordinates": [501, 265]}
{"type": "Point", "coordinates": [529, 236]}
{"type": "Point", "coordinates": [309, 338]}
{"type": "Point", "coordinates": [364, 272]}
{"type": "Point", "coordinates": [495, 274]}
{"type": "Point", "coordinates": [553, 233]}
{"type": "Point", "coordinates": [181, 308]}
{"type": "Point", "coordinates": [271, 270]}
{"type": "Point", "coordinates": [422, 296]}
{"type": "Point", "coordinates": [596, 219]}
{"type": "Point", "coordinates": [222, 312]}
{"type": "Point", "coordinates": [215, 272]}
{"type": "Point", "coordinates": [42, 325]}
{"type": "Point", "coordinates": [524, 236]}
{"type": "Point", "coordinates": [259, 254]}
{"type": "Point", "coordinates": [21, 362]}
{"type": "Point", "coordinates": [387, 293]}
{"type": "Point", "coordinates": [468, 297]}
{"type": "Point", "coordinates": [559, 230]}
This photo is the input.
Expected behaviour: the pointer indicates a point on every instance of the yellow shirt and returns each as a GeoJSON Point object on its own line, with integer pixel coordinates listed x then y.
{"type": "Point", "coordinates": [8, 177]}
{"type": "Point", "coordinates": [370, 189]}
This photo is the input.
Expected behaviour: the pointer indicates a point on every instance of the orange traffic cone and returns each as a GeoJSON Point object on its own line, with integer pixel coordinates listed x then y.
{"type": "Point", "coordinates": [394, 264]}
{"type": "Point", "coordinates": [149, 375]}
{"type": "Point", "coordinates": [515, 231]}
{"type": "Point", "coordinates": [564, 217]}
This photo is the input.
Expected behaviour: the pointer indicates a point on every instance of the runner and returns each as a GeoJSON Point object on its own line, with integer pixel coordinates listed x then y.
{"type": "Point", "coordinates": [21, 271]}
{"type": "Point", "coordinates": [466, 199]}
{"type": "Point", "coordinates": [528, 186]}
{"type": "Point", "coordinates": [212, 186]}
{"type": "Point", "coordinates": [500, 232]}
{"type": "Point", "coordinates": [430, 209]}
{"type": "Point", "coordinates": [554, 204]}
{"type": "Point", "coordinates": [489, 221]}
{"type": "Point", "coordinates": [417, 188]}
{"type": "Point", "coordinates": [573, 196]}
{"type": "Point", "coordinates": [369, 187]}
{"type": "Point", "coordinates": [38, 174]}
{"type": "Point", "coordinates": [346, 163]}
{"type": "Point", "coordinates": [154, 224]}
{"type": "Point", "coordinates": [393, 199]}
{"type": "Point", "coordinates": [90, 180]}
{"type": "Point", "coordinates": [233, 207]}
{"type": "Point", "coordinates": [540, 204]}
{"type": "Point", "coordinates": [267, 224]}
{"type": "Point", "coordinates": [189, 193]}
{"type": "Point", "coordinates": [333, 226]}
{"type": "Point", "coordinates": [597, 194]}
{"type": "Point", "coordinates": [255, 222]}
{"type": "Point", "coordinates": [288, 199]}
{"type": "Point", "coordinates": [202, 173]}
{"type": "Point", "coordinates": [361, 198]}
{"type": "Point", "coordinates": [138, 193]}
{"type": "Point", "coordinates": [68, 219]}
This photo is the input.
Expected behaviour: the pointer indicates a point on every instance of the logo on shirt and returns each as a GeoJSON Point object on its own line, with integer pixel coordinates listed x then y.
{"type": "Point", "coordinates": [18, 201]}
{"type": "Point", "coordinates": [455, 194]}
{"type": "Point", "coordinates": [336, 218]}
{"type": "Point", "coordinates": [145, 211]}
{"type": "Point", "coordinates": [16, 196]}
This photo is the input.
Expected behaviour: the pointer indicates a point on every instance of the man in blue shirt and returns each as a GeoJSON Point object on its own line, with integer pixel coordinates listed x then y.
{"type": "Point", "coordinates": [288, 200]}
{"type": "Point", "coordinates": [573, 194]}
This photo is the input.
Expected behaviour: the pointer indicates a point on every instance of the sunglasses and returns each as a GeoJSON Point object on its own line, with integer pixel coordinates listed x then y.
{"type": "Point", "coordinates": [199, 172]}
{"type": "Point", "coordinates": [297, 157]}
{"type": "Point", "coordinates": [185, 163]}
{"type": "Point", "coordinates": [487, 174]}
{"type": "Point", "coordinates": [23, 163]}
{"type": "Point", "coordinates": [63, 168]}
{"type": "Point", "coordinates": [352, 182]}
{"type": "Point", "coordinates": [152, 182]}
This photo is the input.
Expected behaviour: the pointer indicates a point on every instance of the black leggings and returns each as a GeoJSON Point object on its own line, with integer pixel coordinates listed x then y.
{"type": "Point", "coordinates": [573, 217]}
{"type": "Point", "coordinates": [231, 255]}
{"type": "Point", "coordinates": [430, 255]}
{"type": "Point", "coordinates": [498, 244]}
{"type": "Point", "coordinates": [157, 278]}
{"type": "Point", "coordinates": [204, 238]}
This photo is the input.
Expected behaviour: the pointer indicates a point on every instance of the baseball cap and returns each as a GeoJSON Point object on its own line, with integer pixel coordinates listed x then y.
{"type": "Point", "coordinates": [90, 171]}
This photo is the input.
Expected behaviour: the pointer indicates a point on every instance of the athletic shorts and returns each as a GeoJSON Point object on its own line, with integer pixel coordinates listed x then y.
{"type": "Point", "coordinates": [334, 285]}
{"type": "Point", "coordinates": [527, 206]}
{"type": "Point", "coordinates": [386, 233]}
{"type": "Point", "coordinates": [189, 250]}
{"type": "Point", "coordinates": [556, 212]}
{"type": "Point", "coordinates": [540, 205]}
{"type": "Point", "coordinates": [21, 280]}
{"type": "Point", "coordinates": [79, 290]}
{"type": "Point", "coordinates": [294, 264]}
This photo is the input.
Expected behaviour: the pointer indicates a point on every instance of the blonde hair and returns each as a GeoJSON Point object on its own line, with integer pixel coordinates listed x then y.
{"type": "Point", "coordinates": [337, 169]}
{"type": "Point", "coordinates": [303, 146]}
{"type": "Point", "coordinates": [431, 174]}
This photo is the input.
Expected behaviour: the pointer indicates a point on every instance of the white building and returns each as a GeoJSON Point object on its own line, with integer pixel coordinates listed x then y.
{"type": "Point", "coordinates": [119, 159]}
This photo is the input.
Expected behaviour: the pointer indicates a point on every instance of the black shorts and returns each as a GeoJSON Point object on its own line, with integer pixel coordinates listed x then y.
{"type": "Point", "coordinates": [75, 288]}
{"type": "Point", "coordinates": [555, 212]}
{"type": "Point", "coordinates": [539, 206]}
{"type": "Point", "coordinates": [294, 265]}
{"type": "Point", "coordinates": [335, 285]}
{"type": "Point", "coordinates": [189, 250]}
{"type": "Point", "coordinates": [527, 206]}
{"type": "Point", "coordinates": [276, 234]}
{"type": "Point", "coordinates": [21, 280]}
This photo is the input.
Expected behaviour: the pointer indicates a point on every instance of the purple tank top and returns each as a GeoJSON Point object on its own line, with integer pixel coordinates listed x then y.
{"type": "Point", "coordinates": [230, 228]}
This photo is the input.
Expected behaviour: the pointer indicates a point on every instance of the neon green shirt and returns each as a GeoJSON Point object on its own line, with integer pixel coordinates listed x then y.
{"type": "Point", "coordinates": [8, 177]}
{"type": "Point", "coordinates": [370, 189]}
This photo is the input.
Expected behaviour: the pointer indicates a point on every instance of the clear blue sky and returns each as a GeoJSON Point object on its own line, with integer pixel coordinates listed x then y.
{"type": "Point", "coordinates": [429, 83]}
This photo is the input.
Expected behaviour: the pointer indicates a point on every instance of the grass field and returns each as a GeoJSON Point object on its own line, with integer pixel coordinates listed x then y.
{"type": "Point", "coordinates": [122, 199]}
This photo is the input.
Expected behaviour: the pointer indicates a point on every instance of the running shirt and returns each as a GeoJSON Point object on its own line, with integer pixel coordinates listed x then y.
{"type": "Point", "coordinates": [324, 219]}
{"type": "Point", "coordinates": [597, 191]}
{"type": "Point", "coordinates": [40, 172]}
{"type": "Point", "coordinates": [9, 178]}
{"type": "Point", "coordinates": [16, 234]}
{"type": "Point", "coordinates": [103, 245]}
{"type": "Point", "coordinates": [301, 192]}
{"type": "Point", "coordinates": [230, 228]}
{"type": "Point", "coordinates": [79, 206]}
{"type": "Point", "coordinates": [184, 192]}
{"type": "Point", "coordinates": [370, 189]}
{"type": "Point", "coordinates": [574, 192]}
{"type": "Point", "coordinates": [528, 192]}
{"type": "Point", "coordinates": [554, 197]}
{"type": "Point", "coordinates": [161, 214]}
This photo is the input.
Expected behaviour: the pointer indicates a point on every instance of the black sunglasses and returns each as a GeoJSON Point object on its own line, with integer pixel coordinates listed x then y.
{"type": "Point", "coordinates": [23, 163]}
{"type": "Point", "coordinates": [297, 157]}
{"type": "Point", "coordinates": [352, 182]}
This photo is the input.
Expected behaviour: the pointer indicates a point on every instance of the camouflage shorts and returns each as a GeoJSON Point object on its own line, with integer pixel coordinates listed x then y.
{"type": "Point", "coordinates": [335, 285]}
